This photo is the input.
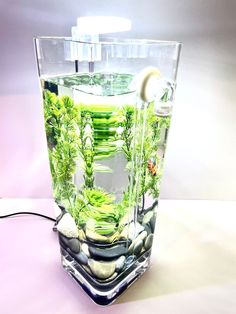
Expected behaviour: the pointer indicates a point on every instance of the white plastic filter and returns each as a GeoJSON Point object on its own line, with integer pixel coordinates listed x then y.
{"type": "Point", "coordinates": [88, 29]}
{"type": "Point", "coordinates": [95, 25]}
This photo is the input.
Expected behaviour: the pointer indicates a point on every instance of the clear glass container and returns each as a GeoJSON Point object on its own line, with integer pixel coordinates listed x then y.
{"type": "Point", "coordinates": [107, 109]}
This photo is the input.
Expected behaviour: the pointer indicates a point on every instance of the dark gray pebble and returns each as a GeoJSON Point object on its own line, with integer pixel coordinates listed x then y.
{"type": "Point", "coordinates": [63, 240]}
{"type": "Point", "coordinates": [108, 253]}
{"type": "Point", "coordinates": [140, 218]}
{"type": "Point", "coordinates": [74, 245]}
{"type": "Point", "coordinates": [148, 242]}
{"type": "Point", "coordinates": [148, 228]}
{"type": "Point", "coordinates": [138, 247]}
{"type": "Point", "coordinates": [153, 222]}
{"type": "Point", "coordinates": [81, 258]}
{"type": "Point", "coordinates": [124, 242]}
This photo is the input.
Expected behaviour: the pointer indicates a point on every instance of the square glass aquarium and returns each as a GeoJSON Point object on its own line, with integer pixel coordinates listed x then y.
{"type": "Point", "coordinates": [107, 111]}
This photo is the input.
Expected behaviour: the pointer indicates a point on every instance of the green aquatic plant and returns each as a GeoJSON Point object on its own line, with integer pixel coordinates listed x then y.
{"type": "Point", "coordinates": [127, 135]}
{"type": "Point", "coordinates": [97, 132]}
{"type": "Point", "coordinates": [70, 133]}
{"type": "Point", "coordinates": [142, 139]}
{"type": "Point", "coordinates": [150, 179]}
{"type": "Point", "coordinates": [98, 197]}
{"type": "Point", "coordinates": [97, 209]}
{"type": "Point", "coordinates": [61, 124]}
{"type": "Point", "coordinates": [98, 206]}
{"type": "Point", "coordinates": [86, 148]}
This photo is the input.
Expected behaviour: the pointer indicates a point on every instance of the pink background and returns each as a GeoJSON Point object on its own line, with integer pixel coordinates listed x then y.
{"type": "Point", "coordinates": [24, 165]}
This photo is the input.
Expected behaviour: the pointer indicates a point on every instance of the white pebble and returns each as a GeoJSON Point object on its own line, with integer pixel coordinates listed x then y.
{"type": "Point", "coordinates": [85, 249]}
{"type": "Point", "coordinates": [67, 226]}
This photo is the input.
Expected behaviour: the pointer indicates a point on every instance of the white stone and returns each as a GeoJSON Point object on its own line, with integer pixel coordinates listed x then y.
{"type": "Point", "coordinates": [139, 228]}
{"type": "Point", "coordinates": [141, 236]}
{"type": "Point", "coordinates": [120, 262]}
{"type": "Point", "coordinates": [102, 270]}
{"type": "Point", "coordinates": [85, 249]}
{"type": "Point", "coordinates": [131, 231]}
{"type": "Point", "coordinates": [67, 226]}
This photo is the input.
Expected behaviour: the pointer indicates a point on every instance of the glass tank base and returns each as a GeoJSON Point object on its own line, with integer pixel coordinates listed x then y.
{"type": "Point", "coordinates": [104, 293]}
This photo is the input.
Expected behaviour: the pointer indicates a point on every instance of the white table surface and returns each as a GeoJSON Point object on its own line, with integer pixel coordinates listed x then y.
{"type": "Point", "coordinates": [193, 268]}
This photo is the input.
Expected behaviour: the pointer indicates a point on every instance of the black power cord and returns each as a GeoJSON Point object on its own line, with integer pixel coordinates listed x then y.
{"type": "Point", "coordinates": [28, 213]}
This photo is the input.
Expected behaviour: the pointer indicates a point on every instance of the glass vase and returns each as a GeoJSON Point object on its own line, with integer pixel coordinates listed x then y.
{"type": "Point", "coordinates": [107, 112]}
